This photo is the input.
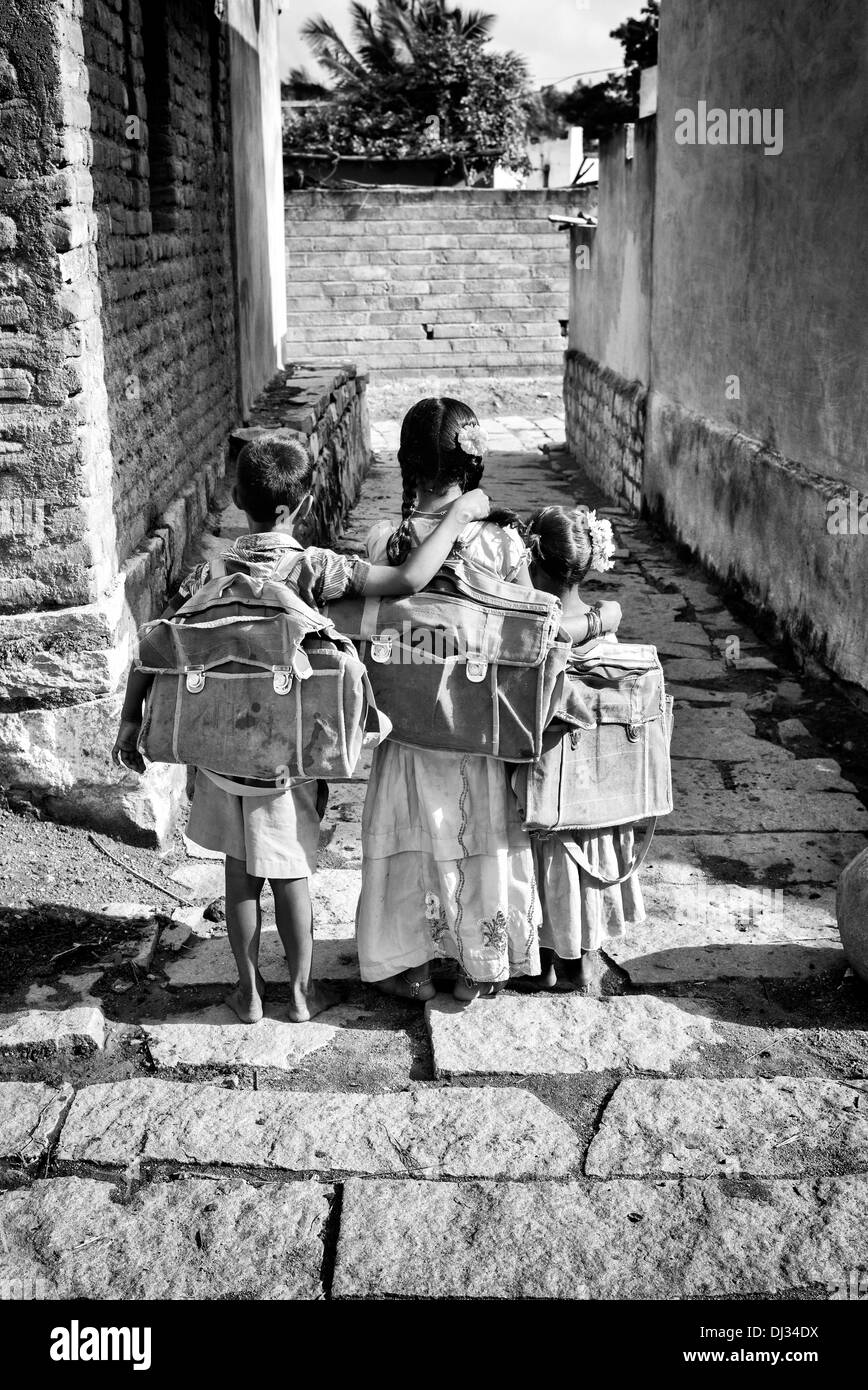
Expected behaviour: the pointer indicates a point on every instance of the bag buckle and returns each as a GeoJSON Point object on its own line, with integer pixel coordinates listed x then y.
{"type": "Point", "coordinates": [195, 679]}
{"type": "Point", "coordinates": [381, 650]}
{"type": "Point", "coordinates": [477, 669]}
{"type": "Point", "coordinates": [282, 681]}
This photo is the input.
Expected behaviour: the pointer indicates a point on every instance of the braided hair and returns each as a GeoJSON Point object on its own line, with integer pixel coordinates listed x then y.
{"type": "Point", "coordinates": [560, 543]}
{"type": "Point", "coordinates": [431, 459]}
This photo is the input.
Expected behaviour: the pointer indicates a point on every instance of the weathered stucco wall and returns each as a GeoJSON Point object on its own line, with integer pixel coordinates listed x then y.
{"type": "Point", "coordinates": [372, 273]}
{"type": "Point", "coordinates": [759, 336]}
{"type": "Point", "coordinates": [755, 410]}
{"type": "Point", "coordinates": [607, 366]}
{"type": "Point", "coordinates": [610, 272]}
{"type": "Point", "coordinates": [759, 260]}
{"type": "Point", "coordinates": [257, 160]}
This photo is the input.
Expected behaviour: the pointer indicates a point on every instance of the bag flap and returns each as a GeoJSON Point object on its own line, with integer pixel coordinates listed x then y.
{"type": "Point", "coordinates": [478, 615]}
{"type": "Point", "coordinates": [236, 619]}
{"type": "Point", "coordinates": [608, 683]}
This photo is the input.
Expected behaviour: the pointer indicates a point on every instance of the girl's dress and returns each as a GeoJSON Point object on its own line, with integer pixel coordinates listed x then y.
{"type": "Point", "coordinates": [448, 870]}
{"type": "Point", "coordinates": [579, 915]}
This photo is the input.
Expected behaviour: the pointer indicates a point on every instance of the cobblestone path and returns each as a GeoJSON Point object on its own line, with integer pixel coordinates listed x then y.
{"type": "Point", "coordinates": [700, 1130]}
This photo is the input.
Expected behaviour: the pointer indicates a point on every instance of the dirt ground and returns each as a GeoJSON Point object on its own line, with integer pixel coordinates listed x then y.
{"type": "Point", "coordinates": [390, 399]}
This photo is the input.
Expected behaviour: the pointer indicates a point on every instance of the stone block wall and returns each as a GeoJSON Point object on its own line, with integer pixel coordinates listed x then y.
{"type": "Point", "coordinates": [432, 279]}
{"type": "Point", "coordinates": [326, 408]}
{"type": "Point", "coordinates": [605, 419]}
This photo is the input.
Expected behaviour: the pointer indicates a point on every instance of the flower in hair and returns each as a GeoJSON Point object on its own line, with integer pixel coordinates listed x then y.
{"type": "Point", "coordinates": [602, 541]}
{"type": "Point", "coordinates": [472, 440]}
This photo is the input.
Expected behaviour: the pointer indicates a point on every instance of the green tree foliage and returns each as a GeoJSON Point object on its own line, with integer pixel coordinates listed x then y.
{"type": "Point", "coordinates": [418, 79]}
{"type": "Point", "coordinates": [600, 106]}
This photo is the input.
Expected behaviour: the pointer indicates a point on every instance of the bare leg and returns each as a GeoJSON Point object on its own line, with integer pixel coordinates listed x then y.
{"type": "Point", "coordinates": [244, 925]}
{"type": "Point", "coordinates": [295, 924]}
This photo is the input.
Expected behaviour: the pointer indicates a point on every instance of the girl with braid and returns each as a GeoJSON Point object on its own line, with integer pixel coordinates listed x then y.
{"type": "Point", "coordinates": [447, 867]}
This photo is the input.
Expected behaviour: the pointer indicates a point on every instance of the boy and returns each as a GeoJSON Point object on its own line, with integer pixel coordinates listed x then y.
{"type": "Point", "coordinates": [275, 835]}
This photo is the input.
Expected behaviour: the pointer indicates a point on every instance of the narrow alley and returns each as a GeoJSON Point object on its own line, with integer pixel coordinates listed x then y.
{"type": "Point", "coordinates": [699, 1130]}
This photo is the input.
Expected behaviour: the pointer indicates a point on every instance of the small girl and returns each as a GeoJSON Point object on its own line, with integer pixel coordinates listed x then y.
{"type": "Point", "coordinates": [578, 914]}
{"type": "Point", "coordinates": [447, 867]}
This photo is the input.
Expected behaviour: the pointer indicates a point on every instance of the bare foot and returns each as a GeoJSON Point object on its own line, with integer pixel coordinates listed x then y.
{"type": "Point", "coordinates": [412, 984]}
{"type": "Point", "coordinates": [247, 1007]}
{"type": "Point", "coordinates": [307, 1003]}
{"type": "Point", "coordinates": [546, 979]}
{"type": "Point", "coordinates": [466, 990]}
{"type": "Point", "coordinates": [585, 975]}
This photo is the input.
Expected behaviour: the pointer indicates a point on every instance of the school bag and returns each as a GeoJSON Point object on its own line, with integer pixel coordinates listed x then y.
{"type": "Point", "coordinates": [472, 664]}
{"type": "Point", "coordinates": [606, 762]}
{"type": "Point", "coordinates": [251, 682]}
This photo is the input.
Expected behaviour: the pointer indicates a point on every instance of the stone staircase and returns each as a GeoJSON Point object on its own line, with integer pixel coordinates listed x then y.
{"type": "Point", "coordinates": [699, 1131]}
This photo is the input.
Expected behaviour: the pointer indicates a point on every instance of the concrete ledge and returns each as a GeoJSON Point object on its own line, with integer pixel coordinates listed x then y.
{"type": "Point", "coordinates": [760, 520]}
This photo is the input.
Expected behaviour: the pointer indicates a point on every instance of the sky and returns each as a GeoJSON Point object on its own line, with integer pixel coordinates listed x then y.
{"type": "Point", "coordinates": [557, 37]}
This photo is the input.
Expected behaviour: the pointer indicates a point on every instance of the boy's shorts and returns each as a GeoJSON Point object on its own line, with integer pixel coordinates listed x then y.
{"type": "Point", "coordinates": [276, 836]}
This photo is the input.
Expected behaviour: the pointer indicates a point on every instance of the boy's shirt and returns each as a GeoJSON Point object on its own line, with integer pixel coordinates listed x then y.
{"type": "Point", "coordinates": [322, 576]}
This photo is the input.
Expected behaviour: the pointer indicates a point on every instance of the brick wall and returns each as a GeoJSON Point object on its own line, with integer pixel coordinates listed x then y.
{"type": "Point", "coordinates": [605, 418]}
{"type": "Point", "coordinates": [162, 196]}
{"type": "Point", "coordinates": [419, 280]}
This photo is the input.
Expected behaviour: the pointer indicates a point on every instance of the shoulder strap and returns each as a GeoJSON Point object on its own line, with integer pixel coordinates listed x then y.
{"type": "Point", "coordinates": [579, 857]}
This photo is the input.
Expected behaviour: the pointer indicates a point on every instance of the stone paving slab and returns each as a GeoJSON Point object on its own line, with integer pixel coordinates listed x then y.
{"type": "Point", "coordinates": [701, 933]}
{"type": "Point", "coordinates": [700, 811]}
{"type": "Point", "coordinates": [604, 1240]}
{"type": "Point", "coordinates": [798, 775]}
{"type": "Point", "coordinates": [215, 1037]}
{"type": "Point", "coordinates": [769, 860]}
{"type": "Point", "coordinates": [722, 745]}
{"type": "Point", "coordinates": [564, 1035]}
{"type": "Point", "coordinates": [426, 1132]}
{"type": "Point", "coordinates": [80, 1029]}
{"type": "Point", "coordinates": [211, 962]}
{"type": "Point", "coordinates": [704, 1128]}
{"type": "Point", "coordinates": [688, 669]}
{"type": "Point", "coordinates": [190, 1239]}
{"type": "Point", "coordinates": [695, 694]}
{"type": "Point", "coordinates": [30, 1116]}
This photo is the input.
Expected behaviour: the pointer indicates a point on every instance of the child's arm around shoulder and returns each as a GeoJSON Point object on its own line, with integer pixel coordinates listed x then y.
{"type": "Point", "coordinates": [423, 563]}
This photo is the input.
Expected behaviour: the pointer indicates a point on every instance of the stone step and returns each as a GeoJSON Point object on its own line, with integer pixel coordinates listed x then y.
{"type": "Point", "coordinates": [703, 812]}
{"type": "Point", "coordinates": [555, 1034]}
{"type": "Point", "coordinates": [768, 860]}
{"type": "Point", "coordinates": [724, 931]}
{"type": "Point", "coordinates": [195, 1238]}
{"type": "Point", "coordinates": [427, 1132]}
{"type": "Point", "coordinates": [49, 1031]}
{"type": "Point", "coordinates": [213, 1037]}
{"type": "Point", "coordinates": [30, 1117]}
{"type": "Point", "coordinates": [756, 1128]}
{"type": "Point", "coordinates": [600, 1240]}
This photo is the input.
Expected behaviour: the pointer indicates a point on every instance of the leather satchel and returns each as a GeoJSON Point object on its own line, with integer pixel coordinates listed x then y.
{"type": "Point", "coordinates": [472, 664]}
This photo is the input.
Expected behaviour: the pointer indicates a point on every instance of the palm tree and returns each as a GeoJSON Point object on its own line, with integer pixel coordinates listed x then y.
{"type": "Point", "coordinates": [385, 42]}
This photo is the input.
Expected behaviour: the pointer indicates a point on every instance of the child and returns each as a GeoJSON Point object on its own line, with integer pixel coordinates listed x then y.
{"type": "Point", "coordinates": [275, 835]}
{"type": "Point", "coordinates": [447, 867]}
{"type": "Point", "coordinates": [578, 915]}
